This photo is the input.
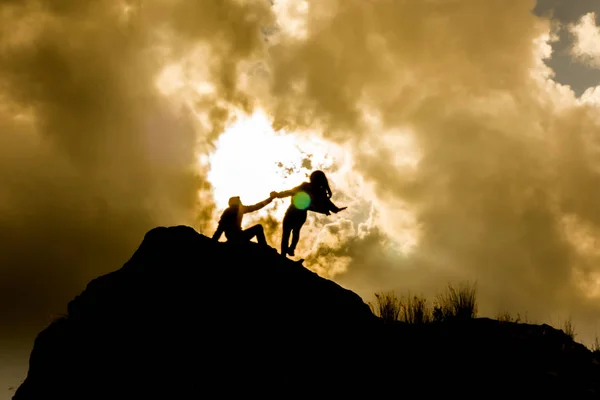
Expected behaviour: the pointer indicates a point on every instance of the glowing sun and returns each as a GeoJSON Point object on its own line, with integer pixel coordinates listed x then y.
{"type": "Point", "coordinates": [251, 160]}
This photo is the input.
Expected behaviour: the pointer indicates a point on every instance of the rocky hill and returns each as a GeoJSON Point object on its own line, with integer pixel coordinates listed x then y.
{"type": "Point", "coordinates": [187, 317]}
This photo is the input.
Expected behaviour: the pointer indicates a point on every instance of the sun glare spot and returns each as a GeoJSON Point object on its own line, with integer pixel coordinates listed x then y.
{"type": "Point", "coordinates": [251, 160]}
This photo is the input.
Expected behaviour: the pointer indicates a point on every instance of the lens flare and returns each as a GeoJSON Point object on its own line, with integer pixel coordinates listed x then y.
{"type": "Point", "coordinates": [301, 200]}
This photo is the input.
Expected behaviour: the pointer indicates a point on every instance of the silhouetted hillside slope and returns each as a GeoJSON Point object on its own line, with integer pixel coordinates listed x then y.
{"type": "Point", "coordinates": [186, 317]}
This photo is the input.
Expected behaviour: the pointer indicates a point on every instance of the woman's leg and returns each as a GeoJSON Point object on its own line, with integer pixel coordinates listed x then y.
{"type": "Point", "coordinates": [295, 239]}
{"type": "Point", "coordinates": [285, 235]}
{"type": "Point", "coordinates": [301, 219]}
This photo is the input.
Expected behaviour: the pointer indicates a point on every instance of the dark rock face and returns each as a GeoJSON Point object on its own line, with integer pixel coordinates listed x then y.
{"type": "Point", "coordinates": [186, 317]}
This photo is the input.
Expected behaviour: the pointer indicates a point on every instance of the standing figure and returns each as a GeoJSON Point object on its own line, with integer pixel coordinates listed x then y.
{"type": "Point", "coordinates": [315, 196]}
{"type": "Point", "coordinates": [231, 222]}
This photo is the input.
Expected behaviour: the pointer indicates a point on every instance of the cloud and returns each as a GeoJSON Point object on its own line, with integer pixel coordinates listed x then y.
{"type": "Point", "coordinates": [505, 154]}
{"type": "Point", "coordinates": [461, 158]}
{"type": "Point", "coordinates": [92, 153]}
{"type": "Point", "coordinates": [586, 46]}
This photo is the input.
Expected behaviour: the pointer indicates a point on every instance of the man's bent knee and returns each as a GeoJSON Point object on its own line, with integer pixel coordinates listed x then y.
{"type": "Point", "coordinates": [258, 228]}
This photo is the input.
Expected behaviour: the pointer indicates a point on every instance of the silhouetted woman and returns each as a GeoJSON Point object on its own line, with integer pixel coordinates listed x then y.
{"type": "Point", "coordinates": [314, 195]}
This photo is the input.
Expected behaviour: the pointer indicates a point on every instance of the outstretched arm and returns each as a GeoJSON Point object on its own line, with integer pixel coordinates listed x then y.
{"type": "Point", "coordinates": [285, 193]}
{"type": "Point", "coordinates": [257, 206]}
{"type": "Point", "coordinates": [332, 207]}
{"type": "Point", "coordinates": [325, 206]}
{"type": "Point", "coordinates": [338, 209]}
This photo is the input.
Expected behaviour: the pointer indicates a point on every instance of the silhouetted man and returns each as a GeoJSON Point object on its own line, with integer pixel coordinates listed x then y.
{"type": "Point", "coordinates": [231, 222]}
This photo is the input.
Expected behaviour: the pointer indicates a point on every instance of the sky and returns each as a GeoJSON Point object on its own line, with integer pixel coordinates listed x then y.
{"type": "Point", "coordinates": [462, 135]}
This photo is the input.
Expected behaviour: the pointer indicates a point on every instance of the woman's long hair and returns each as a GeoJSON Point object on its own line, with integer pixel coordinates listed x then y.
{"type": "Point", "coordinates": [319, 181]}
